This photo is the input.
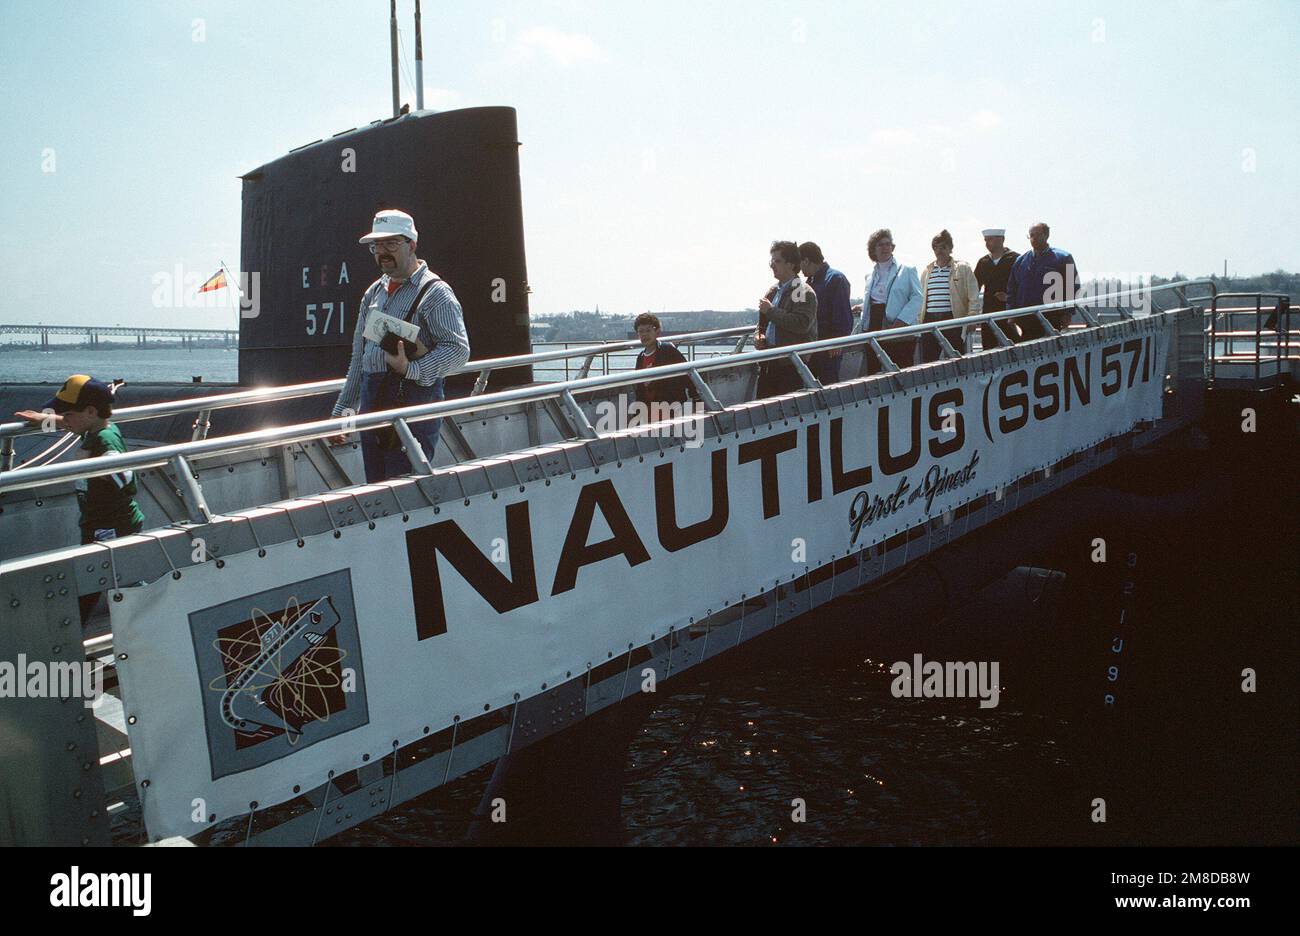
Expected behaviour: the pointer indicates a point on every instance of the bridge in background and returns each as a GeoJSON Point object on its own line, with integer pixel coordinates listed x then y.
{"type": "Point", "coordinates": [228, 336]}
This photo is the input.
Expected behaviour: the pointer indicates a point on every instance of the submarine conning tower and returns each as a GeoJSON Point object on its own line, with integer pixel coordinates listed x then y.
{"type": "Point", "coordinates": [455, 172]}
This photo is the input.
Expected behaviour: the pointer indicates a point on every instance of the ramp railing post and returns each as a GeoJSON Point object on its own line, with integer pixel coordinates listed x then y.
{"type": "Point", "coordinates": [1088, 317]}
{"type": "Point", "coordinates": [711, 402]}
{"type": "Point", "coordinates": [1285, 321]}
{"type": "Point", "coordinates": [886, 362]}
{"type": "Point", "coordinates": [202, 423]}
{"type": "Point", "coordinates": [1214, 335]}
{"type": "Point", "coordinates": [414, 450]}
{"type": "Point", "coordinates": [809, 381]}
{"type": "Point", "coordinates": [1258, 335]}
{"type": "Point", "coordinates": [192, 493]}
{"type": "Point", "coordinates": [945, 346]}
{"type": "Point", "coordinates": [585, 429]}
{"type": "Point", "coordinates": [999, 335]}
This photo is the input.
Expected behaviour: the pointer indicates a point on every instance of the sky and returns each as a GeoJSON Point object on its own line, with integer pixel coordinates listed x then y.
{"type": "Point", "coordinates": [665, 144]}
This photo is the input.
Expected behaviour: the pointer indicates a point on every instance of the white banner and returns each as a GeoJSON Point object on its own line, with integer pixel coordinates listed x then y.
{"type": "Point", "coordinates": [252, 682]}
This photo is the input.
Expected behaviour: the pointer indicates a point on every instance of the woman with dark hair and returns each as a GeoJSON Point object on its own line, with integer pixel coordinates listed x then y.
{"type": "Point", "coordinates": [948, 291]}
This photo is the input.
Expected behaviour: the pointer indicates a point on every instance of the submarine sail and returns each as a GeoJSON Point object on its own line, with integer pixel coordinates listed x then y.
{"type": "Point", "coordinates": [455, 172]}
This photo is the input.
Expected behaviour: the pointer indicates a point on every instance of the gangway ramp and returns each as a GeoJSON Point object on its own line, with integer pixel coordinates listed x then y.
{"type": "Point", "coordinates": [473, 599]}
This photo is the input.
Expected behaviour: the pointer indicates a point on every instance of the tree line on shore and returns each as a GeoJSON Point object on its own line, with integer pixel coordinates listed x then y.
{"type": "Point", "coordinates": [581, 325]}
{"type": "Point", "coordinates": [606, 326]}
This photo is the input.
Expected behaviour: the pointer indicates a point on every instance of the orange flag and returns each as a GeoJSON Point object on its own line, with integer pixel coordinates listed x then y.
{"type": "Point", "coordinates": [216, 281]}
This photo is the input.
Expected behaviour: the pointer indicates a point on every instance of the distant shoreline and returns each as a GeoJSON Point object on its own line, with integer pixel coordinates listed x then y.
{"type": "Point", "coordinates": [204, 345]}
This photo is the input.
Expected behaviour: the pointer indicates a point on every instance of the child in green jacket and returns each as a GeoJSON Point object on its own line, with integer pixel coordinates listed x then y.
{"type": "Point", "coordinates": [107, 503]}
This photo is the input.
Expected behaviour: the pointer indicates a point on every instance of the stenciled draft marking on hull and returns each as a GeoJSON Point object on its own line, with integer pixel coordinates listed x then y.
{"type": "Point", "coordinates": [276, 682]}
{"type": "Point", "coordinates": [295, 676]}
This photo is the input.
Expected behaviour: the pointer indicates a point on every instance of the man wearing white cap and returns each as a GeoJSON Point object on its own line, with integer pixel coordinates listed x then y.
{"type": "Point", "coordinates": [992, 273]}
{"type": "Point", "coordinates": [383, 377]}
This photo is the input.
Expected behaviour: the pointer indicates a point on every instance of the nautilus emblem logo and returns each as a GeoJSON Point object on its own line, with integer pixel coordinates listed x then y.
{"type": "Point", "coordinates": [281, 671]}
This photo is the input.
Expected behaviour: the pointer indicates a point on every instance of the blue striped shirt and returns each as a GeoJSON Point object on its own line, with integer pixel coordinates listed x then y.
{"type": "Point", "coordinates": [442, 331]}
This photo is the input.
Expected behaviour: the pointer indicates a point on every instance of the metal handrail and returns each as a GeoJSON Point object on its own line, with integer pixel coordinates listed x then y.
{"type": "Point", "coordinates": [177, 454]}
{"type": "Point", "coordinates": [315, 388]}
{"type": "Point", "coordinates": [1283, 328]}
{"type": "Point", "coordinates": [216, 401]}
{"type": "Point", "coordinates": [485, 367]}
{"type": "Point", "coordinates": [690, 348]}
{"type": "Point", "coordinates": [1251, 295]}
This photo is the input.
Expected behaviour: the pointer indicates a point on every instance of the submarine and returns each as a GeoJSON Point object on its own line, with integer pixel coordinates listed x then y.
{"type": "Point", "coordinates": [456, 172]}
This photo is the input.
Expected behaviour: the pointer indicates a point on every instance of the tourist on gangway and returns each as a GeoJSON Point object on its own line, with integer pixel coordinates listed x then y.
{"type": "Point", "coordinates": [834, 317]}
{"type": "Point", "coordinates": [106, 504]}
{"type": "Point", "coordinates": [787, 315]}
{"type": "Point", "coordinates": [657, 353]}
{"type": "Point", "coordinates": [1040, 276]}
{"type": "Point", "coordinates": [992, 273]}
{"type": "Point", "coordinates": [893, 299]}
{"type": "Point", "coordinates": [392, 373]}
{"type": "Point", "coordinates": [948, 291]}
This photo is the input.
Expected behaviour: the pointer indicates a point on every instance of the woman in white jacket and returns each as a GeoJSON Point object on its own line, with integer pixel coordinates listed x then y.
{"type": "Point", "coordinates": [893, 299]}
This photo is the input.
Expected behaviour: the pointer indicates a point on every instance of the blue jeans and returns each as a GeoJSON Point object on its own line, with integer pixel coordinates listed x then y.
{"type": "Point", "coordinates": [383, 464]}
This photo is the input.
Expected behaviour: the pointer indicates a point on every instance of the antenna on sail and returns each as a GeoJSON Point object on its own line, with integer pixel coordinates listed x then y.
{"type": "Point", "coordinates": [419, 62]}
{"type": "Point", "coordinates": [392, 35]}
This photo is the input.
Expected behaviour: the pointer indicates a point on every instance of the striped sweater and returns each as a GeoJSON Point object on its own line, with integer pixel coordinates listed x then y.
{"type": "Point", "coordinates": [938, 299]}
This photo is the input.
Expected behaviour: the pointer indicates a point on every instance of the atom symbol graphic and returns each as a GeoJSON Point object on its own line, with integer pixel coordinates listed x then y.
{"type": "Point", "coordinates": [260, 664]}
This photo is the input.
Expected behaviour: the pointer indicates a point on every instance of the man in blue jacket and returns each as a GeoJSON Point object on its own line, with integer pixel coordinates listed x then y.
{"type": "Point", "coordinates": [893, 300]}
{"type": "Point", "coordinates": [834, 316]}
{"type": "Point", "coordinates": [1039, 276]}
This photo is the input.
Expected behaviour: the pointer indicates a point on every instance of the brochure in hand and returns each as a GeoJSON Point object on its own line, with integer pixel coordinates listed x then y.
{"type": "Point", "coordinates": [386, 330]}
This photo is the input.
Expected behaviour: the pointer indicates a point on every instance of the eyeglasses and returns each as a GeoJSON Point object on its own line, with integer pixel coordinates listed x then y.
{"type": "Point", "coordinates": [388, 245]}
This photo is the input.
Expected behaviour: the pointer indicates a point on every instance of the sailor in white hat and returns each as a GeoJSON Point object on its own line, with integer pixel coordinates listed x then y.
{"type": "Point", "coordinates": [992, 273]}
